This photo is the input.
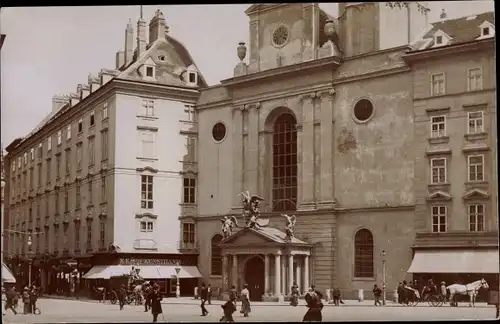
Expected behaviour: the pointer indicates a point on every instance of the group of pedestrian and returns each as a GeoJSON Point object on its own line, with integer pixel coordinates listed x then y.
{"type": "Point", "coordinates": [29, 296]}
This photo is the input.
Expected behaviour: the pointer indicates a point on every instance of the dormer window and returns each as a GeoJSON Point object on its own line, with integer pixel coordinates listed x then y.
{"type": "Point", "coordinates": [161, 57]}
{"type": "Point", "coordinates": [439, 40]}
{"type": "Point", "coordinates": [192, 77]}
{"type": "Point", "coordinates": [486, 31]}
{"type": "Point", "coordinates": [149, 71]}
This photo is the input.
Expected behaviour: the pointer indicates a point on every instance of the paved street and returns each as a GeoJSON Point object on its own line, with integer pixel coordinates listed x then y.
{"type": "Point", "coordinates": [70, 311]}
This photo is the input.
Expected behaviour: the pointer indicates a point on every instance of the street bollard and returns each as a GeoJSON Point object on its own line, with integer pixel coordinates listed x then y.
{"type": "Point", "coordinates": [195, 292]}
{"type": "Point", "coordinates": [395, 295]}
{"type": "Point", "coordinates": [361, 296]}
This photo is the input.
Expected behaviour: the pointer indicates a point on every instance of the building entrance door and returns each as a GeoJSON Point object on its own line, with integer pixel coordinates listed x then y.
{"type": "Point", "coordinates": [254, 277]}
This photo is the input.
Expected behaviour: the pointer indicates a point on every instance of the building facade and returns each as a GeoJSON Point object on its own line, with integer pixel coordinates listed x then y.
{"type": "Point", "coordinates": [104, 172]}
{"type": "Point", "coordinates": [319, 123]}
{"type": "Point", "coordinates": [454, 100]}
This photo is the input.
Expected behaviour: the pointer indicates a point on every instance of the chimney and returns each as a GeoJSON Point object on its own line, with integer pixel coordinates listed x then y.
{"type": "Point", "coordinates": [58, 101]}
{"type": "Point", "coordinates": [120, 59]}
{"type": "Point", "coordinates": [157, 27]}
{"type": "Point", "coordinates": [129, 42]}
{"type": "Point", "coordinates": [443, 15]}
{"type": "Point", "coordinates": [73, 99]}
{"type": "Point", "coordinates": [141, 36]}
{"type": "Point", "coordinates": [106, 76]}
{"type": "Point", "coordinates": [94, 83]}
{"type": "Point", "coordinates": [83, 91]}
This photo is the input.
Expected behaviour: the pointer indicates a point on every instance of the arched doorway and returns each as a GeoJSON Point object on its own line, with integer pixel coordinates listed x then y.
{"type": "Point", "coordinates": [254, 277]}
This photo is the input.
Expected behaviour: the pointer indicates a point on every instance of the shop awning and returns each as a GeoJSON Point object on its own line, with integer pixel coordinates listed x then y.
{"type": "Point", "coordinates": [185, 272]}
{"type": "Point", "coordinates": [478, 261]}
{"type": "Point", "coordinates": [106, 271]}
{"type": "Point", "coordinates": [7, 275]}
{"type": "Point", "coordinates": [146, 272]}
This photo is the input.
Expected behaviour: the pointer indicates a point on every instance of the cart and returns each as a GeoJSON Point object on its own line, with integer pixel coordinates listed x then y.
{"type": "Point", "coordinates": [115, 283]}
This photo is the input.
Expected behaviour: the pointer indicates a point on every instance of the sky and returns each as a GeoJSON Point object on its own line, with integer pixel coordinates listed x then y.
{"type": "Point", "coordinates": [50, 50]}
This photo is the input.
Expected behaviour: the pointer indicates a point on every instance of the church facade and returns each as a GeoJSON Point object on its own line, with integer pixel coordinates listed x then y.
{"type": "Point", "coordinates": [318, 122]}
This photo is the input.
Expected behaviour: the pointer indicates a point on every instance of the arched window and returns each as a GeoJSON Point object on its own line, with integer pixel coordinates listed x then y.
{"type": "Point", "coordinates": [363, 254]}
{"type": "Point", "coordinates": [285, 163]}
{"type": "Point", "coordinates": [216, 256]}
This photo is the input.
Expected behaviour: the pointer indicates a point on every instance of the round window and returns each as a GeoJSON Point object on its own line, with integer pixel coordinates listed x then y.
{"type": "Point", "coordinates": [363, 110]}
{"type": "Point", "coordinates": [280, 36]}
{"type": "Point", "coordinates": [219, 132]}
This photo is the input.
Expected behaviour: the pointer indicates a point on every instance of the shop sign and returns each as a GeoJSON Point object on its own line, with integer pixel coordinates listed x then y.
{"type": "Point", "coordinates": [144, 262]}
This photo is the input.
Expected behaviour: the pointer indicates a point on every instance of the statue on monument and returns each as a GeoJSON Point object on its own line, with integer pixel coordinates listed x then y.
{"type": "Point", "coordinates": [251, 210]}
{"type": "Point", "coordinates": [289, 226]}
{"type": "Point", "coordinates": [228, 223]}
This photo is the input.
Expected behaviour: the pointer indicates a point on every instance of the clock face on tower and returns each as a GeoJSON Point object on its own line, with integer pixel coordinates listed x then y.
{"type": "Point", "coordinates": [280, 36]}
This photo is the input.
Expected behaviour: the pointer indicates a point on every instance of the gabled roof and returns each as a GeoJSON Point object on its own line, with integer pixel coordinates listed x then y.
{"type": "Point", "coordinates": [461, 30]}
{"type": "Point", "coordinates": [269, 233]}
{"type": "Point", "coordinates": [262, 6]}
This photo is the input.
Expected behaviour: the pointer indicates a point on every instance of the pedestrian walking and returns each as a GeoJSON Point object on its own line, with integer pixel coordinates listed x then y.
{"type": "Point", "coordinates": [26, 301]}
{"type": "Point", "coordinates": [245, 301]}
{"type": "Point", "coordinates": [209, 294]}
{"type": "Point", "coordinates": [156, 302]}
{"type": "Point", "coordinates": [294, 295]}
{"type": "Point", "coordinates": [11, 300]}
{"type": "Point", "coordinates": [444, 293]}
{"type": "Point", "coordinates": [377, 292]}
{"type": "Point", "coordinates": [122, 294]}
{"type": "Point", "coordinates": [204, 298]}
{"type": "Point", "coordinates": [400, 293]}
{"type": "Point", "coordinates": [33, 298]}
{"type": "Point", "coordinates": [147, 296]}
{"type": "Point", "coordinates": [314, 305]}
{"type": "Point", "coordinates": [229, 308]}
{"type": "Point", "coordinates": [336, 296]}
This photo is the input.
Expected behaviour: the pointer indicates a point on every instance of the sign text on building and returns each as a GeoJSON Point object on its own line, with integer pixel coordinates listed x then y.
{"type": "Point", "coordinates": [140, 261]}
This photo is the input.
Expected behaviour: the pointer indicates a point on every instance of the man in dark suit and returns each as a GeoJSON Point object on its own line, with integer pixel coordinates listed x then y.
{"type": "Point", "coordinates": [204, 298]}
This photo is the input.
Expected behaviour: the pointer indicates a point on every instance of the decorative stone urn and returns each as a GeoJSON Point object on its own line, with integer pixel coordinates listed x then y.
{"type": "Point", "coordinates": [242, 51]}
{"type": "Point", "coordinates": [329, 29]}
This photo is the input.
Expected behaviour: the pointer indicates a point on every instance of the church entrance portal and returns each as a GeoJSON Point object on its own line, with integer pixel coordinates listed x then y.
{"type": "Point", "coordinates": [254, 277]}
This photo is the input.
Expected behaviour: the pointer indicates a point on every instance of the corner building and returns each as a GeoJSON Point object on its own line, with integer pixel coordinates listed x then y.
{"type": "Point", "coordinates": [100, 180]}
{"type": "Point", "coordinates": [319, 123]}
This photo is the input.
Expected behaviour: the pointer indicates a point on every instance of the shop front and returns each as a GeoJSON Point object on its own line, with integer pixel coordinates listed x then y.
{"type": "Point", "coordinates": [167, 270]}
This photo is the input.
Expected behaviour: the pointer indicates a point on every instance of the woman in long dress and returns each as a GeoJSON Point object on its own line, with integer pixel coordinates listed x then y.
{"type": "Point", "coordinates": [245, 301]}
{"type": "Point", "coordinates": [156, 302]}
{"type": "Point", "coordinates": [313, 300]}
{"type": "Point", "coordinates": [294, 300]}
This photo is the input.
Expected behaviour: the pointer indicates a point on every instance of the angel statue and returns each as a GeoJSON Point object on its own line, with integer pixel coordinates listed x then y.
{"type": "Point", "coordinates": [251, 209]}
{"type": "Point", "coordinates": [228, 223]}
{"type": "Point", "coordinates": [290, 226]}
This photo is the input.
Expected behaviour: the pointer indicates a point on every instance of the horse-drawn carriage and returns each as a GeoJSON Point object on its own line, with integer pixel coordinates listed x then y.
{"type": "Point", "coordinates": [133, 287]}
{"type": "Point", "coordinates": [413, 297]}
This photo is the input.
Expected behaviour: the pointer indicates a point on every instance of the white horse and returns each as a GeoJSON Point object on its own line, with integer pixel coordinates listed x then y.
{"type": "Point", "coordinates": [469, 289]}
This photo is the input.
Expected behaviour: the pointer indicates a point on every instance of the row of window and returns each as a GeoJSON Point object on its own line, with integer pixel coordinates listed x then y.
{"type": "Point", "coordinates": [474, 81]}
{"type": "Point", "coordinates": [59, 139]}
{"type": "Point", "coordinates": [475, 214]}
{"type": "Point", "coordinates": [475, 124]}
{"type": "Point", "coordinates": [475, 167]}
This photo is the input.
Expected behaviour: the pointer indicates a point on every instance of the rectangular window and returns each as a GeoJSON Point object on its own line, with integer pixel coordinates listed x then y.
{"type": "Point", "coordinates": [476, 218]}
{"type": "Point", "coordinates": [58, 166]}
{"type": "Point", "coordinates": [188, 233]}
{"type": "Point", "coordinates": [68, 161]}
{"type": "Point", "coordinates": [149, 71]}
{"type": "Point", "coordinates": [147, 144]}
{"type": "Point", "coordinates": [89, 235]}
{"type": "Point", "coordinates": [92, 119]}
{"type": "Point", "coordinates": [91, 151]}
{"type": "Point", "coordinates": [438, 84]}
{"type": "Point", "coordinates": [438, 126]}
{"type": "Point", "coordinates": [80, 126]}
{"type": "Point", "coordinates": [49, 144]}
{"type": "Point", "coordinates": [103, 189]}
{"type": "Point", "coordinates": [148, 107]}
{"type": "Point", "coordinates": [438, 219]}
{"type": "Point", "coordinates": [40, 150]}
{"type": "Point", "coordinates": [102, 233]}
{"type": "Point", "coordinates": [475, 122]}
{"type": "Point", "coordinates": [68, 132]}
{"type": "Point", "coordinates": [147, 227]}
{"type": "Point", "coordinates": [78, 197]}
{"type": "Point", "coordinates": [90, 192]}
{"type": "Point", "coordinates": [32, 154]}
{"type": "Point", "coordinates": [25, 158]}
{"type": "Point", "coordinates": [191, 149]}
{"type": "Point", "coordinates": [56, 238]}
{"type": "Point", "coordinates": [189, 190]}
{"type": "Point", "coordinates": [59, 137]}
{"type": "Point", "coordinates": [49, 171]}
{"type": "Point", "coordinates": [475, 79]}
{"type": "Point", "coordinates": [65, 238]}
{"type": "Point", "coordinates": [57, 205]}
{"type": "Point", "coordinates": [146, 192]}
{"type": "Point", "coordinates": [47, 210]}
{"type": "Point", "coordinates": [79, 156]}
{"type": "Point", "coordinates": [39, 174]}
{"type": "Point", "coordinates": [66, 200]}
{"type": "Point", "coordinates": [18, 162]}
{"type": "Point", "coordinates": [32, 182]}
{"type": "Point", "coordinates": [476, 167]}
{"type": "Point", "coordinates": [104, 145]}
{"type": "Point", "coordinates": [47, 236]}
{"type": "Point", "coordinates": [105, 111]}
{"type": "Point", "coordinates": [438, 168]}
{"type": "Point", "coordinates": [77, 236]}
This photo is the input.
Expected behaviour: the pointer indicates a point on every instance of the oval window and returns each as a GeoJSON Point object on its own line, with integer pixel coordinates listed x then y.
{"type": "Point", "coordinates": [363, 110]}
{"type": "Point", "coordinates": [219, 132]}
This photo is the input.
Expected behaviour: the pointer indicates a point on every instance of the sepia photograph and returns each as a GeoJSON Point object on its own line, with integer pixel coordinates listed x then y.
{"type": "Point", "coordinates": [269, 162]}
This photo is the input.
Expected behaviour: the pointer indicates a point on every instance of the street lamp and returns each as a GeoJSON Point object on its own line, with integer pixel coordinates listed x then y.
{"type": "Point", "coordinates": [177, 287]}
{"type": "Point", "coordinates": [384, 255]}
{"type": "Point", "coordinates": [29, 260]}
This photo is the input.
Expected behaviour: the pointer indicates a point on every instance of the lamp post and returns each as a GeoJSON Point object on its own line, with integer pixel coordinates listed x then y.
{"type": "Point", "coordinates": [384, 255]}
{"type": "Point", "coordinates": [178, 285]}
{"type": "Point", "coordinates": [29, 260]}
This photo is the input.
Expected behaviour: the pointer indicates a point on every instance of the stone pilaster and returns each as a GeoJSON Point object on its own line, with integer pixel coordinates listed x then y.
{"type": "Point", "coordinates": [252, 161]}
{"type": "Point", "coordinates": [234, 272]}
{"type": "Point", "coordinates": [326, 199]}
{"type": "Point", "coordinates": [306, 273]}
{"type": "Point", "coordinates": [307, 199]}
{"type": "Point", "coordinates": [238, 157]}
{"type": "Point", "coordinates": [225, 279]}
{"type": "Point", "coordinates": [266, 274]}
{"type": "Point", "coordinates": [277, 275]}
{"type": "Point", "coordinates": [290, 274]}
